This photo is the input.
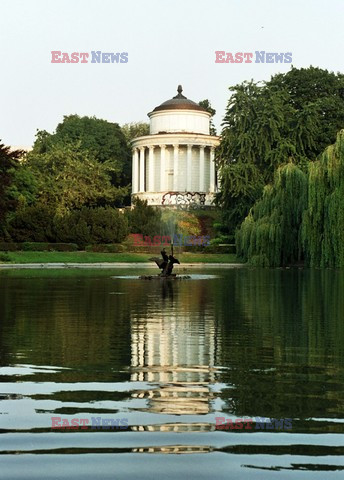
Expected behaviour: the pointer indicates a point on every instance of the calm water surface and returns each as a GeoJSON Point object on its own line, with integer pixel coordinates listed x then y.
{"type": "Point", "coordinates": [170, 356]}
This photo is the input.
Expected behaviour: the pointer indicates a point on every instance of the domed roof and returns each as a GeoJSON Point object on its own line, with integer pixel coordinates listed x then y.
{"type": "Point", "coordinates": [179, 102]}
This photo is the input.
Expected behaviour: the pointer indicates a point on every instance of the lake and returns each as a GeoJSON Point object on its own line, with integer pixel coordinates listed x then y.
{"type": "Point", "coordinates": [161, 363]}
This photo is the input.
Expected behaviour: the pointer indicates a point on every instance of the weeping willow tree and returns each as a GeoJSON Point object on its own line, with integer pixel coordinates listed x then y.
{"type": "Point", "coordinates": [323, 221]}
{"type": "Point", "coordinates": [300, 215]}
{"type": "Point", "coordinates": [271, 233]}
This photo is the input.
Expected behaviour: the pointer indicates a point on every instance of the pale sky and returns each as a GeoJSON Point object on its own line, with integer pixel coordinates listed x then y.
{"type": "Point", "coordinates": [168, 43]}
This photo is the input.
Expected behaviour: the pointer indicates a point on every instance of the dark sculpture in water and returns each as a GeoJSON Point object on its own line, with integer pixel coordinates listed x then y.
{"type": "Point", "coordinates": [166, 263]}
{"type": "Point", "coordinates": [166, 266]}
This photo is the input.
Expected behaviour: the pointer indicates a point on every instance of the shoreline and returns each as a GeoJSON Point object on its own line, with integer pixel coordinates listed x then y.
{"type": "Point", "coordinates": [101, 265]}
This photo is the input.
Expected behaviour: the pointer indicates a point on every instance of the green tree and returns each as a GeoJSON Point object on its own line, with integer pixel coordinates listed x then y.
{"type": "Point", "coordinates": [300, 216]}
{"type": "Point", "coordinates": [135, 129]}
{"type": "Point", "coordinates": [271, 123]}
{"type": "Point", "coordinates": [92, 225]}
{"type": "Point", "coordinates": [103, 140]}
{"type": "Point", "coordinates": [323, 221]}
{"type": "Point", "coordinates": [271, 233]}
{"type": "Point", "coordinates": [70, 177]}
{"type": "Point", "coordinates": [32, 223]}
{"type": "Point", "coordinates": [24, 188]}
{"type": "Point", "coordinates": [9, 163]}
{"type": "Point", "coordinates": [143, 218]}
{"type": "Point", "coordinates": [324, 91]}
{"type": "Point", "coordinates": [207, 106]}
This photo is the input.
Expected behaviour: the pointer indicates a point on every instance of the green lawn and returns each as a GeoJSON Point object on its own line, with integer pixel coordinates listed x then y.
{"type": "Point", "coordinates": [91, 257]}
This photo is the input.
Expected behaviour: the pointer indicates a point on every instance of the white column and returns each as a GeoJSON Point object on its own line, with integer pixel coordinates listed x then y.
{"type": "Point", "coordinates": [142, 169]}
{"type": "Point", "coordinates": [175, 168]}
{"type": "Point", "coordinates": [135, 167]}
{"type": "Point", "coordinates": [162, 169]}
{"type": "Point", "coordinates": [151, 181]}
{"type": "Point", "coordinates": [201, 169]}
{"type": "Point", "coordinates": [188, 168]}
{"type": "Point", "coordinates": [212, 170]}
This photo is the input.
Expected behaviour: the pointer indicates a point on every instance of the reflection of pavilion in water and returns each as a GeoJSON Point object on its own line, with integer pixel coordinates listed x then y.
{"type": "Point", "coordinates": [178, 354]}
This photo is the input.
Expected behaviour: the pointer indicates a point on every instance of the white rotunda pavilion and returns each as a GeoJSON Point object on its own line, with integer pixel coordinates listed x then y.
{"type": "Point", "coordinates": [174, 164]}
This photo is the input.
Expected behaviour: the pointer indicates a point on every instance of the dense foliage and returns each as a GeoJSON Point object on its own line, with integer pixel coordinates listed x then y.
{"type": "Point", "coordinates": [323, 222]}
{"type": "Point", "coordinates": [102, 140]}
{"type": "Point", "coordinates": [9, 163]}
{"type": "Point", "coordinates": [144, 219]}
{"type": "Point", "coordinates": [134, 129]}
{"type": "Point", "coordinates": [300, 217]}
{"type": "Point", "coordinates": [270, 234]}
{"type": "Point", "coordinates": [69, 177]}
{"type": "Point", "coordinates": [68, 186]}
{"type": "Point", "coordinates": [40, 223]}
{"type": "Point", "coordinates": [293, 117]}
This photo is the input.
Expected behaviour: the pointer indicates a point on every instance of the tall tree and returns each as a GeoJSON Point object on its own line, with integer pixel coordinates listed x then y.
{"type": "Point", "coordinates": [9, 162]}
{"type": "Point", "coordinates": [103, 140]}
{"type": "Point", "coordinates": [271, 123]}
{"type": "Point", "coordinates": [270, 234]}
{"type": "Point", "coordinates": [323, 221]}
{"type": "Point", "coordinates": [300, 216]}
{"type": "Point", "coordinates": [70, 177]}
{"type": "Point", "coordinates": [321, 89]}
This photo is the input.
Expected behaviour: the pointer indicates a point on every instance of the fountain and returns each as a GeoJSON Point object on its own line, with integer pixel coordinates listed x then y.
{"type": "Point", "coordinates": [165, 264]}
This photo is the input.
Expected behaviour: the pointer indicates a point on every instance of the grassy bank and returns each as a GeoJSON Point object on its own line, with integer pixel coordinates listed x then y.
{"type": "Point", "coordinates": [92, 257]}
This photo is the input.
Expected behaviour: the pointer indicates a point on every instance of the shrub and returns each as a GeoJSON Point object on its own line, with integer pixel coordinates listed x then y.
{"type": "Point", "coordinates": [4, 257]}
{"type": "Point", "coordinates": [32, 224]}
{"type": "Point", "coordinates": [35, 247]}
{"type": "Point", "coordinates": [48, 247]}
{"type": "Point", "coordinates": [63, 247]}
{"type": "Point", "coordinates": [39, 224]}
{"type": "Point", "coordinates": [8, 247]}
{"type": "Point", "coordinates": [221, 239]}
{"type": "Point", "coordinates": [143, 218]}
{"type": "Point", "coordinates": [72, 227]}
{"type": "Point", "coordinates": [108, 225]}
{"type": "Point", "coordinates": [220, 249]}
{"type": "Point", "coordinates": [103, 225]}
{"type": "Point", "coordinates": [107, 248]}
{"type": "Point", "coordinates": [150, 250]}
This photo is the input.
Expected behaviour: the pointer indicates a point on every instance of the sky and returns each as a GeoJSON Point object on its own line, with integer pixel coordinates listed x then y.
{"type": "Point", "coordinates": [168, 43]}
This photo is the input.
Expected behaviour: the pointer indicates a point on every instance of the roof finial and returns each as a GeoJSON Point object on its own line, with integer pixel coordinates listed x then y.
{"type": "Point", "coordinates": [180, 95]}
